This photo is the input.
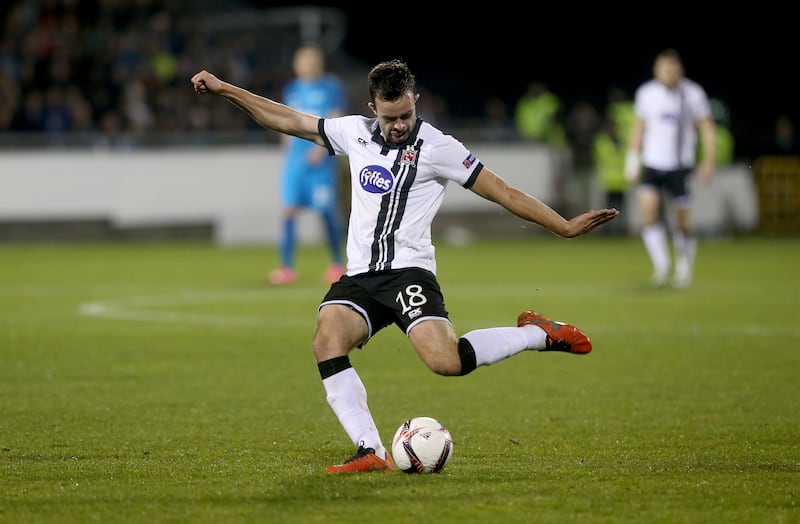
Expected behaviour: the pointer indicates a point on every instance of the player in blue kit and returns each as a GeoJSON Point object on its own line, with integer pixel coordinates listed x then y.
{"type": "Point", "coordinates": [310, 175]}
{"type": "Point", "coordinates": [400, 166]}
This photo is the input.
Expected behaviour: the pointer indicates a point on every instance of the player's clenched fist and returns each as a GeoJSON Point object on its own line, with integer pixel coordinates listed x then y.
{"type": "Point", "coordinates": [205, 82]}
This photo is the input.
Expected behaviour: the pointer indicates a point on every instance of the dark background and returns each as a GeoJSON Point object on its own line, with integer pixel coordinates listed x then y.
{"type": "Point", "coordinates": [749, 60]}
{"type": "Point", "coordinates": [464, 54]}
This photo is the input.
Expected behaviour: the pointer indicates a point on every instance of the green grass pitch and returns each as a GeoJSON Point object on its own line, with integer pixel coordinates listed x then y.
{"type": "Point", "coordinates": [168, 383]}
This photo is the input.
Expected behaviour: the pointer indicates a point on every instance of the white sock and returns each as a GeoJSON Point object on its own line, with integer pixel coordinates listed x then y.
{"type": "Point", "coordinates": [495, 344]}
{"type": "Point", "coordinates": [655, 241]}
{"type": "Point", "coordinates": [685, 246]}
{"type": "Point", "coordinates": [347, 396]}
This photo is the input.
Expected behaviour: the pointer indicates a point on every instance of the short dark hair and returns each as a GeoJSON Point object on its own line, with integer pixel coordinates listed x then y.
{"type": "Point", "coordinates": [390, 80]}
{"type": "Point", "coordinates": [670, 53]}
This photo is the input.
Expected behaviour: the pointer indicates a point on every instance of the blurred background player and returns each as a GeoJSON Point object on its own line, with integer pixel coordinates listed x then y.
{"type": "Point", "coordinates": [662, 154]}
{"type": "Point", "coordinates": [310, 175]}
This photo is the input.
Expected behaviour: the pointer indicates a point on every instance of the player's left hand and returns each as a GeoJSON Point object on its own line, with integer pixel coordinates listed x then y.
{"type": "Point", "coordinates": [589, 220]}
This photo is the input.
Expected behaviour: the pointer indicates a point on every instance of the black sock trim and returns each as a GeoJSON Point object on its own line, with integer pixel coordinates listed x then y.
{"type": "Point", "coordinates": [467, 355]}
{"type": "Point", "coordinates": [332, 366]}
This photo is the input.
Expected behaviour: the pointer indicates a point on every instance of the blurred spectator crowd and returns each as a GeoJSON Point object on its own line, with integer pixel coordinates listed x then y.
{"type": "Point", "coordinates": [116, 71]}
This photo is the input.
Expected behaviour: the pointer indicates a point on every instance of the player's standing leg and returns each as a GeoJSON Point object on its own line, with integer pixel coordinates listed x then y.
{"type": "Point", "coordinates": [685, 247]}
{"type": "Point", "coordinates": [285, 274]}
{"type": "Point", "coordinates": [293, 199]}
{"type": "Point", "coordinates": [324, 197]}
{"type": "Point", "coordinates": [339, 329]}
{"type": "Point", "coordinates": [654, 232]}
{"type": "Point", "coordinates": [333, 231]}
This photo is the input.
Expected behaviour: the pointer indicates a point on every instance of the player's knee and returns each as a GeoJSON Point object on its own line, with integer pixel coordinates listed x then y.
{"type": "Point", "coordinates": [325, 347]}
{"type": "Point", "coordinates": [442, 362]}
{"type": "Point", "coordinates": [445, 367]}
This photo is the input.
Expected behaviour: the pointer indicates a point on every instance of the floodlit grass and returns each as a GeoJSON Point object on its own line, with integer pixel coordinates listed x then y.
{"type": "Point", "coordinates": [168, 383]}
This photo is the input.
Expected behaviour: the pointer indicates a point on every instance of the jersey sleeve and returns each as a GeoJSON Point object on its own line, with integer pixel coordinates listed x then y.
{"type": "Point", "coordinates": [340, 133]}
{"type": "Point", "coordinates": [453, 161]}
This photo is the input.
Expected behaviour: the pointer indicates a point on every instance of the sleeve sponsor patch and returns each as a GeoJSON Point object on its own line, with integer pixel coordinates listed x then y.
{"type": "Point", "coordinates": [469, 161]}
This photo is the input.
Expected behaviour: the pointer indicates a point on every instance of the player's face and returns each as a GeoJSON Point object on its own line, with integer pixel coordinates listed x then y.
{"type": "Point", "coordinates": [308, 63]}
{"type": "Point", "coordinates": [668, 71]}
{"type": "Point", "coordinates": [396, 118]}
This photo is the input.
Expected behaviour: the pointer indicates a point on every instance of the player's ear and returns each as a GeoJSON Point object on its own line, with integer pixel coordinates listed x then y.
{"type": "Point", "coordinates": [371, 105]}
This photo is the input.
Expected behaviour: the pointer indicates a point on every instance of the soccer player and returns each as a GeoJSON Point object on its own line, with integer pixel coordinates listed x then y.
{"type": "Point", "coordinates": [662, 154]}
{"type": "Point", "coordinates": [399, 167]}
{"type": "Point", "coordinates": [310, 175]}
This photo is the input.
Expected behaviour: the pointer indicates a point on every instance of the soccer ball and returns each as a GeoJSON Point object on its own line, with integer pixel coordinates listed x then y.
{"type": "Point", "coordinates": [422, 445]}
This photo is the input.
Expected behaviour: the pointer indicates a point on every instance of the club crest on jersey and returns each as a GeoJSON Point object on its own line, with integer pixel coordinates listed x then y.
{"type": "Point", "coordinates": [409, 157]}
{"type": "Point", "coordinates": [375, 179]}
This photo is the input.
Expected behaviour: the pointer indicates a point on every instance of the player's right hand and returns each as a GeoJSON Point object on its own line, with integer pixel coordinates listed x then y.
{"type": "Point", "coordinates": [205, 82]}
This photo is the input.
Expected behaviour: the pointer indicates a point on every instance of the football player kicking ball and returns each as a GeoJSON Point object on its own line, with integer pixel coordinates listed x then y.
{"type": "Point", "coordinates": [399, 167]}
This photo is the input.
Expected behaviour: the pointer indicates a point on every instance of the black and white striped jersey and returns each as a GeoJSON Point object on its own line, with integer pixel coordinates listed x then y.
{"type": "Point", "coordinates": [396, 190]}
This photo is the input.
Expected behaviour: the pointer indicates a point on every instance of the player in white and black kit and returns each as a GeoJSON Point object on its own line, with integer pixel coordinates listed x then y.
{"type": "Point", "coordinates": [662, 148]}
{"type": "Point", "coordinates": [400, 166]}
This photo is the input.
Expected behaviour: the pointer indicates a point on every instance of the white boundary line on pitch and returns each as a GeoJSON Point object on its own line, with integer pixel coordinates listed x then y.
{"type": "Point", "coordinates": [137, 308]}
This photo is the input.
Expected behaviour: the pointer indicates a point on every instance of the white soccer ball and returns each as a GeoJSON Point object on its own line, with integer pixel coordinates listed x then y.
{"type": "Point", "coordinates": [422, 445]}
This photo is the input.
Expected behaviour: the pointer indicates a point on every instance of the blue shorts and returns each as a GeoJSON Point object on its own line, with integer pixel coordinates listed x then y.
{"type": "Point", "coordinates": [311, 186]}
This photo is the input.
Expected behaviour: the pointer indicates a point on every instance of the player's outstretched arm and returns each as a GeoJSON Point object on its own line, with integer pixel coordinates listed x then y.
{"type": "Point", "coordinates": [267, 113]}
{"type": "Point", "coordinates": [492, 187]}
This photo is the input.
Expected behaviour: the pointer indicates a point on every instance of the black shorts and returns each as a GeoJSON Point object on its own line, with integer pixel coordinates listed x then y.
{"type": "Point", "coordinates": [402, 297]}
{"type": "Point", "coordinates": [675, 183]}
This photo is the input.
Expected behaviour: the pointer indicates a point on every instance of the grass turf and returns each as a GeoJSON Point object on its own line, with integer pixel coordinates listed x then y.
{"type": "Point", "coordinates": [168, 383]}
